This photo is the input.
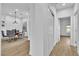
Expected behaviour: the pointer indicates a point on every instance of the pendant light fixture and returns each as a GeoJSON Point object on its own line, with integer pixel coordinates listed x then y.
{"type": "Point", "coordinates": [15, 22]}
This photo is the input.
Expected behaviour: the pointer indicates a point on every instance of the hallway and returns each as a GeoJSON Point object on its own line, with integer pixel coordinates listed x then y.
{"type": "Point", "coordinates": [63, 48]}
{"type": "Point", "coordinates": [35, 29]}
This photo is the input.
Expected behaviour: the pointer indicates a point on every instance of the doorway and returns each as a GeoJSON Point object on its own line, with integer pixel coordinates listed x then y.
{"type": "Point", "coordinates": [63, 47]}
{"type": "Point", "coordinates": [65, 28]}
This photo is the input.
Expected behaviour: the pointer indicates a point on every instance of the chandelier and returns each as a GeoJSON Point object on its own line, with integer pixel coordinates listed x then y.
{"type": "Point", "coordinates": [15, 22]}
{"type": "Point", "coordinates": [21, 14]}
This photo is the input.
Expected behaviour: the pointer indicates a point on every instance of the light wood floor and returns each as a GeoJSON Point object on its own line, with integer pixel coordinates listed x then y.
{"type": "Point", "coordinates": [63, 48]}
{"type": "Point", "coordinates": [19, 47]}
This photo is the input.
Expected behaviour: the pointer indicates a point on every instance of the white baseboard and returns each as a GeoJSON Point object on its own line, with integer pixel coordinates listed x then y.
{"type": "Point", "coordinates": [54, 45]}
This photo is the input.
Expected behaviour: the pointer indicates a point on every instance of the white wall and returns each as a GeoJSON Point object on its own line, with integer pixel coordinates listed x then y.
{"type": "Point", "coordinates": [0, 29]}
{"type": "Point", "coordinates": [76, 27]}
{"type": "Point", "coordinates": [41, 30]}
{"type": "Point", "coordinates": [36, 29]}
{"type": "Point", "coordinates": [65, 13]}
{"type": "Point", "coordinates": [50, 31]}
{"type": "Point", "coordinates": [0, 20]}
{"type": "Point", "coordinates": [76, 8]}
{"type": "Point", "coordinates": [76, 22]}
{"type": "Point", "coordinates": [73, 20]}
{"type": "Point", "coordinates": [63, 23]}
{"type": "Point", "coordinates": [56, 28]}
{"type": "Point", "coordinates": [77, 33]}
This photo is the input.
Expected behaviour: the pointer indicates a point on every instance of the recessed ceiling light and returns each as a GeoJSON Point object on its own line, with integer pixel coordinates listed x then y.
{"type": "Point", "coordinates": [16, 9]}
{"type": "Point", "coordinates": [63, 4]}
{"type": "Point", "coordinates": [68, 26]}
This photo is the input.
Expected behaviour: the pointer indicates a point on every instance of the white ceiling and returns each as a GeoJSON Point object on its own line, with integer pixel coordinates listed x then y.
{"type": "Point", "coordinates": [59, 6]}
{"type": "Point", "coordinates": [10, 7]}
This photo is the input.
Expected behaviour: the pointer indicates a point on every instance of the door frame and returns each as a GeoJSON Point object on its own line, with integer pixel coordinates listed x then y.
{"type": "Point", "coordinates": [70, 25]}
